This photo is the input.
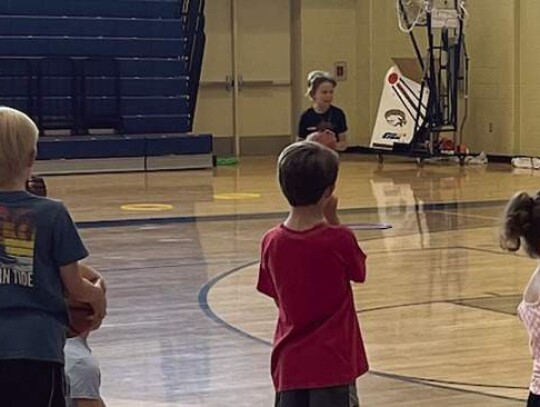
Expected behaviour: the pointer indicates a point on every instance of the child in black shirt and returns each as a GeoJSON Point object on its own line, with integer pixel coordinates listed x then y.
{"type": "Point", "coordinates": [323, 116]}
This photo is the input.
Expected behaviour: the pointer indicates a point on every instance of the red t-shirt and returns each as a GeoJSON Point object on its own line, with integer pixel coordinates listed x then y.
{"type": "Point", "coordinates": [317, 342]}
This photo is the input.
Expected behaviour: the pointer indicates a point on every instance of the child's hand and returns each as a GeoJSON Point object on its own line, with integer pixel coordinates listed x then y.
{"type": "Point", "coordinates": [100, 305]}
{"type": "Point", "coordinates": [330, 211]}
{"type": "Point", "coordinates": [100, 282]}
{"type": "Point", "coordinates": [341, 145]}
{"type": "Point", "coordinates": [326, 138]}
{"type": "Point", "coordinates": [36, 185]}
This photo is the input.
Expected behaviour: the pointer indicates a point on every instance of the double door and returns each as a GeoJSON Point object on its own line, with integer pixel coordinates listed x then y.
{"type": "Point", "coordinates": [245, 93]}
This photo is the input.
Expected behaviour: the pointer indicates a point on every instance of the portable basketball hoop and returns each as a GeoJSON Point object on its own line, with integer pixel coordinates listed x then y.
{"type": "Point", "coordinates": [421, 96]}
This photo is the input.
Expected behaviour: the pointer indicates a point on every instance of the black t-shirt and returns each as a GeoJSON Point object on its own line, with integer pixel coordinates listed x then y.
{"type": "Point", "coordinates": [333, 119]}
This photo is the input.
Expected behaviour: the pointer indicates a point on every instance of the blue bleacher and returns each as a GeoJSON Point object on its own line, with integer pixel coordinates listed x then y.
{"type": "Point", "coordinates": [157, 123]}
{"type": "Point", "coordinates": [129, 65]}
{"type": "Point", "coordinates": [17, 86]}
{"type": "Point", "coordinates": [89, 27]}
{"type": "Point", "coordinates": [55, 148]}
{"type": "Point", "coordinates": [168, 105]}
{"type": "Point", "coordinates": [153, 67]}
{"type": "Point", "coordinates": [94, 8]}
{"type": "Point", "coordinates": [87, 46]}
{"type": "Point", "coordinates": [78, 147]}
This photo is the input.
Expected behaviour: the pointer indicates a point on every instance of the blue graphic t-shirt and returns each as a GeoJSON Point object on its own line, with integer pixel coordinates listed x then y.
{"type": "Point", "coordinates": [37, 236]}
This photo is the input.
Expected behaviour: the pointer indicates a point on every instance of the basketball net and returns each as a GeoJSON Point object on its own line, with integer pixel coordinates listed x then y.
{"type": "Point", "coordinates": [445, 13]}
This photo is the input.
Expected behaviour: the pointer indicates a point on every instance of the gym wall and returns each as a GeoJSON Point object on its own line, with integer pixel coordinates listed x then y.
{"type": "Point", "coordinates": [502, 44]}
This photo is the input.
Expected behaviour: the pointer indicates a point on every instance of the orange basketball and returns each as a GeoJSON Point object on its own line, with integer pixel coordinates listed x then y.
{"type": "Point", "coordinates": [80, 320]}
{"type": "Point", "coordinates": [326, 138]}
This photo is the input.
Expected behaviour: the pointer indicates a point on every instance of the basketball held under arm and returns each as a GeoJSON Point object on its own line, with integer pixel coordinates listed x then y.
{"type": "Point", "coordinates": [80, 289]}
{"type": "Point", "coordinates": [92, 275]}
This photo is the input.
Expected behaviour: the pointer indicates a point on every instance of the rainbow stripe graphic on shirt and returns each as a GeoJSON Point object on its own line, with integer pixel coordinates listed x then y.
{"type": "Point", "coordinates": [17, 242]}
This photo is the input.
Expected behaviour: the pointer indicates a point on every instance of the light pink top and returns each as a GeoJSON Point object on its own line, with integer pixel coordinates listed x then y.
{"type": "Point", "coordinates": [530, 315]}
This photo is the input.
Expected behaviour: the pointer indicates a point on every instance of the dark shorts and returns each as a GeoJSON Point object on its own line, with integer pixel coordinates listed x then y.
{"type": "Point", "coordinates": [534, 400]}
{"type": "Point", "coordinates": [342, 396]}
{"type": "Point", "coordinates": [31, 383]}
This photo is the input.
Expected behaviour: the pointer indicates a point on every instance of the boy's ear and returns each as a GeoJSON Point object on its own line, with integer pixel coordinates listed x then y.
{"type": "Point", "coordinates": [329, 191]}
{"type": "Point", "coordinates": [31, 158]}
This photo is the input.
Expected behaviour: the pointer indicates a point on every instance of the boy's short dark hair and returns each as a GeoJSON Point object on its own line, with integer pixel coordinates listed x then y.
{"type": "Point", "coordinates": [305, 170]}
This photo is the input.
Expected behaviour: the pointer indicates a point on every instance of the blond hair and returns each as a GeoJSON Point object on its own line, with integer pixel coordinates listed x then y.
{"type": "Point", "coordinates": [18, 143]}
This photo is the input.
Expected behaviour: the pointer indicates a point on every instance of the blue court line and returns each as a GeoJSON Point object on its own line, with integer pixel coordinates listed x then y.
{"type": "Point", "coordinates": [272, 215]}
{"type": "Point", "coordinates": [205, 307]}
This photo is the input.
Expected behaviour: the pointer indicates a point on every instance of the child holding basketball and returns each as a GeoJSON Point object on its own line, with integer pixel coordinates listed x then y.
{"type": "Point", "coordinates": [521, 227]}
{"type": "Point", "coordinates": [306, 267]}
{"type": "Point", "coordinates": [323, 116]}
{"type": "Point", "coordinates": [39, 252]}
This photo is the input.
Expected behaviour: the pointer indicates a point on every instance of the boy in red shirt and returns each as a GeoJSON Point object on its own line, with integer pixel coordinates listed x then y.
{"type": "Point", "coordinates": [307, 264]}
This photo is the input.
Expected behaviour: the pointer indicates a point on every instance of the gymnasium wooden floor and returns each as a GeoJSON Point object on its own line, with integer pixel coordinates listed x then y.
{"type": "Point", "coordinates": [186, 327]}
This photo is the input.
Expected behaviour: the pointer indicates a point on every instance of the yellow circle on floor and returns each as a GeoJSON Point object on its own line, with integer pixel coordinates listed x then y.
{"type": "Point", "coordinates": [148, 207]}
{"type": "Point", "coordinates": [237, 196]}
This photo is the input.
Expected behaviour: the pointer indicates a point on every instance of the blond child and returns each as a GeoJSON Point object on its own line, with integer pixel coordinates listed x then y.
{"type": "Point", "coordinates": [39, 252]}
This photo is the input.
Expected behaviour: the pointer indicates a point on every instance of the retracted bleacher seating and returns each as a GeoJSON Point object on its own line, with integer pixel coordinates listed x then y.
{"type": "Point", "coordinates": [106, 79]}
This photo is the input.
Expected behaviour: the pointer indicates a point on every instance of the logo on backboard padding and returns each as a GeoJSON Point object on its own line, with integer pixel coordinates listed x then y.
{"type": "Point", "coordinates": [396, 118]}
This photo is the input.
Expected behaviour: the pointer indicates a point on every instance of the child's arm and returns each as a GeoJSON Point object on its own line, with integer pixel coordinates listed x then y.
{"type": "Point", "coordinates": [342, 143]}
{"type": "Point", "coordinates": [356, 259]}
{"type": "Point", "coordinates": [301, 135]}
{"type": "Point", "coordinates": [80, 289]}
{"type": "Point", "coordinates": [91, 274]}
{"type": "Point", "coordinates": [265, 284]}
{"type": "Point", "coordinates": [341, 130]}
{"type": "Point", "coordinates": [532, 291]}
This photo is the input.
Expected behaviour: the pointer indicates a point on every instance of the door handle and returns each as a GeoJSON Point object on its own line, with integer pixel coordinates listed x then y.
{"type": "Point", "coordinates": [240, 83]}
{"type": "Point", "coordinates": [257, 83]}
{"type": "Point", "coordinates": [229, 83]}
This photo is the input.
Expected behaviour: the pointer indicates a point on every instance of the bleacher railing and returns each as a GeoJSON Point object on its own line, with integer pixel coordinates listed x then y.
{"type": "Point", "coordinates": [194, 23]}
